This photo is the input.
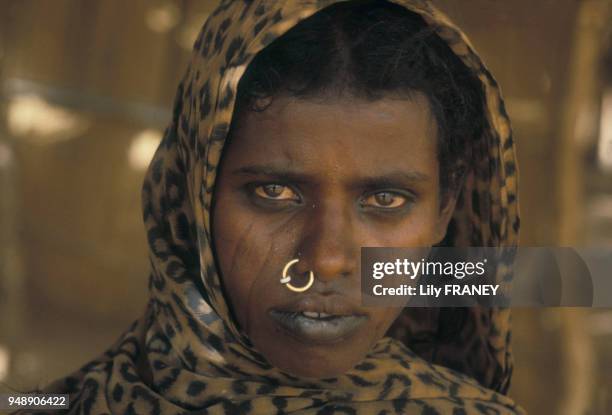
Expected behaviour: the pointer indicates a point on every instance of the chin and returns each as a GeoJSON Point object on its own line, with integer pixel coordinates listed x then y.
{"type": "Point", "coordinates": [316, 364]}
{"type": "Point", "coordinates": [310, 360]}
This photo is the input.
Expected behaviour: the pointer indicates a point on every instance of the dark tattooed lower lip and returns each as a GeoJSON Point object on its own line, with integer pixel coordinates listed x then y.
{"type": "Point", "coordinates": [325, 328]}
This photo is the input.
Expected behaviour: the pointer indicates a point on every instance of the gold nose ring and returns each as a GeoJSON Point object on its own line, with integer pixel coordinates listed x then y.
{"type": "Point", "coordinates": [286, 279]}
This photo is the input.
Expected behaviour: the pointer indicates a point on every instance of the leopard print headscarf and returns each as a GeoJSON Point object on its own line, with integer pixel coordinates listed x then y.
{"type": "Point", "coordinates": [186, 355]}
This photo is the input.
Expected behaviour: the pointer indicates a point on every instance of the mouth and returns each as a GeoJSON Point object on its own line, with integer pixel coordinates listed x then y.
{"type": "Point", "coordinates": [318, 320]}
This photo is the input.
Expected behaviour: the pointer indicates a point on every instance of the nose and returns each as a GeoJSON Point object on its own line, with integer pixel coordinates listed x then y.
{"type": "Point", "coordinates": [327, 246]}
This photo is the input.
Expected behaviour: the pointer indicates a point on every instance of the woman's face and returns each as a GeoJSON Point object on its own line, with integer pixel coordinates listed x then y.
{"type": "Point", "coordinates": [317, 181]}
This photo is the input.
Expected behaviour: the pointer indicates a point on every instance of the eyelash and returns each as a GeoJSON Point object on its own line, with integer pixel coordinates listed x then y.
{"type": "Point", "coordinates": [267, 197]}
{"type": "Point", "coordinates": [408, 199]}
{"type": "Point", "coordinates": [269, 202]}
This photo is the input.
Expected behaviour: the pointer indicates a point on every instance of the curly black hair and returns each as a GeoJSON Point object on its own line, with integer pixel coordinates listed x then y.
{"type": "Point", "coordinates": [371, 49]}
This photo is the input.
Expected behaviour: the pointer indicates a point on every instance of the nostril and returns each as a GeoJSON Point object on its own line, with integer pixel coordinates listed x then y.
{"type": "Point", "coordinates": [300, 267]}
{"type": "Point", "coordinates": [332, 267]}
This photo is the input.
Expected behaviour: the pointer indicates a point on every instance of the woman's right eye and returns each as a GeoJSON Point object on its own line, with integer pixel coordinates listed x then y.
{"type": "Point", "coordinates": [277, 192]}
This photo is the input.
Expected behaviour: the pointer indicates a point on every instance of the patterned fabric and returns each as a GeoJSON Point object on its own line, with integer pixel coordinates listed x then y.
{"type": "Point", "coordinates": [186, 354]}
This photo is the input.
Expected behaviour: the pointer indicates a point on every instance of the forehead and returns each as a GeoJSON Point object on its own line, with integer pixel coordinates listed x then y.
{"type": "Point", "coordinates": [341, 132]}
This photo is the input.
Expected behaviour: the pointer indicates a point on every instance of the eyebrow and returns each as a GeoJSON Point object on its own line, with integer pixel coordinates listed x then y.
{"type": "Point", "coordinates": [280, 173]}
{"type": "Point", "coordinates": [390, 179]}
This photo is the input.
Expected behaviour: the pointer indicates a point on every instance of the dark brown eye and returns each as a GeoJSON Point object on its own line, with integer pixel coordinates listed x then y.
{"type": "Point", "coordinates": [386, 200]}
{"type": "Point", "coordinates": [275, 191]}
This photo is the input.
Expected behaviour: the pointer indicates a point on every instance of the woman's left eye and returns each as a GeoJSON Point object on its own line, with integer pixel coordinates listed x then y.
{"type": "Point", "coordinates": [385, 200]}
{"type": "Point", "coordinates": [274, 191]}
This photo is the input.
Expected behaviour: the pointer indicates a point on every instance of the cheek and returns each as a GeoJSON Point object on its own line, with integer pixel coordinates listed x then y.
{"type": "Point", "coordinates": [250, 253]}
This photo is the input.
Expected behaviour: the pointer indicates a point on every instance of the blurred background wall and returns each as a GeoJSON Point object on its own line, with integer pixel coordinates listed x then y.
{"type": "Point", "coordinates": [86, 89]}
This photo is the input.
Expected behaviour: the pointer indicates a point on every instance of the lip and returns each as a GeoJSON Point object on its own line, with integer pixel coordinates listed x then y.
{"type": "Point", "coordinates": [337, 319]}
